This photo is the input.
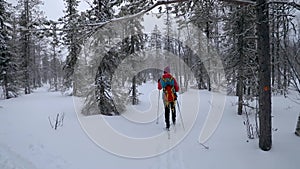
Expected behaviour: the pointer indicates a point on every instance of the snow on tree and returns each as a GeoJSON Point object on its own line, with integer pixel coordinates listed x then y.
{"type": "Point", "coordinates": [30, 20]}
{"type": "Point", "coordinates": [71, 40]}
{"type": "Point", "coordinates": [7, 62]}
{"type": "Point", "coordinates": [240, 58]}
{"type": "Point", "coordinates": [94, 86]}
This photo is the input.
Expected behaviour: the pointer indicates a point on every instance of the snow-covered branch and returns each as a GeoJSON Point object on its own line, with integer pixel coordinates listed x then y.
{"type": "Point", "coordinates": [165, 2]}
{"type": "Point", "coordinates": [248, 2]}
{"type": "Point", "coordinates": [101, 24]}
{"type": "Point", "coordinates": [240, 2]}
{"type": "Point", "coordinates": [293, 4]}
{"type": "Point", "coordinates": [158, 3]}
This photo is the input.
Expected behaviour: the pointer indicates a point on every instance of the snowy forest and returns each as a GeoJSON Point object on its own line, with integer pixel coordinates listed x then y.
{"type": "Point", "coordinates": [255, 44]}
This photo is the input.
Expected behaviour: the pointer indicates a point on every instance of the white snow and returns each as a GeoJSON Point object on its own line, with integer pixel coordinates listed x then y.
{"type": "Point", "coordinates": [27, 140]}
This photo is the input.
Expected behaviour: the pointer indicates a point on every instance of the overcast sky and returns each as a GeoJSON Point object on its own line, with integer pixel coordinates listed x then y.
{"type": "Point", "coordinates": [54, 8]}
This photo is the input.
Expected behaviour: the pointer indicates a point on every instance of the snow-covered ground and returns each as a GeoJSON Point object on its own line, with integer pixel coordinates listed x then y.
{"type": "Point", "coordinates": [27, 140]}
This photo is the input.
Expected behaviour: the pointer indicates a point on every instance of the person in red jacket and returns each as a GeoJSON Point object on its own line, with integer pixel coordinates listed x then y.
{"type": "Point", "coordinates": [170, 86]}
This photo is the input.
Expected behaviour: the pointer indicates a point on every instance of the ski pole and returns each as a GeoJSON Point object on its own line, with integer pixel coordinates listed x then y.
{"type": "Point", "coordinates": [180, 116]}
{"type": "Point", "coordinates": [157, 107]}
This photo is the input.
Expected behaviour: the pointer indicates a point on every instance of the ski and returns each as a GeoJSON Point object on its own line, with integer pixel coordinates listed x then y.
{"type": "Point", "coordinates": [169, 133]}
{"type": "Point", "coordinates": [206, 147]}
{"type": "Point", "coordinates": [169, 130]}
{"type": "Point", "coordinates": [174, 126]}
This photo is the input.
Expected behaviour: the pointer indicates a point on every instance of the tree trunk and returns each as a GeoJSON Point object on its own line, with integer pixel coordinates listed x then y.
{"type": "Point", "coordinates": [263, 50]}
{"type": "Point", "coordinates": [5, 87]}
{"type": "Point", "coordinates": [277, 53]}
{"type": "Point", "coordinates": [285, 45]}
{"type": "Point", "coordinates": [272, 39]}
{"type": "Point", "coordinates": [240, 84]}
{"type": "Point", "coordinates": [55, 71]}
{"type": "Point", "coordinates": [134, 93]}
{"type": "Point", "coordinates": [208, 56]}
{"type": "Point", "coordinates": [27, 51]}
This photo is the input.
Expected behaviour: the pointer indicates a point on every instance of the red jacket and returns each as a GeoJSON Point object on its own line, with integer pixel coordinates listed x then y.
{"type": "Point", "coordinates": [168, 75]}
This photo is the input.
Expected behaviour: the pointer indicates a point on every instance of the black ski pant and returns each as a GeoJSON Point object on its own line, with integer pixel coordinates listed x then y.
{"type": "Point", "coordinates": [168, 107]}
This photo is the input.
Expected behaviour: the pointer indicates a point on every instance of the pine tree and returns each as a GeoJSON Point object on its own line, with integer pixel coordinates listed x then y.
{"type": "Point", "coordinates": [135, 38]}
{"type": "Point", "coordinates": [204, 14]}
{"type": "Point", "coordinates": [168, 43]}
{"type": "Point", "coordinates": [281, 25]}
{"type": "Point", "coordinates": [45, 64]}
{"type": "Point", "coordinates": [26, 42]}
{"type": "Point", "coordinates": [7, 65]}
{"type": "Point", "coordinates": [30, 19]}
{"type": "Point", "coordinates": [101, 11]}
{"type": "Point", "coordinates": [156, 43]}
{"type": "Point", "coordinates": [55, 63]}
{"type": "Point", "coordinates": [110, 100]}
{"type": "Point", "coordinates": [97, 85]}
{"type": "Point", "coordinates": [241, 61]}
{"type": "Point", "coordinates": [72, 41]}
{"type": "Point", "coordinates": [203, 17]}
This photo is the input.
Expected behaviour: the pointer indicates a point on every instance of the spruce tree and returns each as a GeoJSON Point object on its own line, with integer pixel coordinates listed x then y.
{"type": "Point", "coordinates": [241, 61]}
{"type": "Point", "coordinates": [71, 40]}
{"type": "Point", "coordinates": [30, 19]}
{"type": "Point", "coordinates": [135, 38]}
{"type": "Point", "coordinates": [96, 84]}
{"type": "Point", "coordinates": [7, 64]}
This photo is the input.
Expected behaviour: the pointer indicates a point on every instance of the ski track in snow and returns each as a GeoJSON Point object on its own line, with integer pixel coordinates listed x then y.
{"type": "Point", "coordinates": [11, 160]}
{"type": "Point", "coordinates": [170, 159]}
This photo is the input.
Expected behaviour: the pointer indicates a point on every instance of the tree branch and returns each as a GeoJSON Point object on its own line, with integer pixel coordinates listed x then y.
{"type": "Point", "coordinates": [96, 26]}
{"type": "Point", "coordinates": [165, 2]}
{"type": "Point", "coordinates": [240, 2]}
{"type": "Point", "coordinates": [293, 4]}
{"type": "Point", "coordinates": [248, 2]}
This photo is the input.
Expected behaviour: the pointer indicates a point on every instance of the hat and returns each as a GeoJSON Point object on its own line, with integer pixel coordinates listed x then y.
{"type": "Point", "coordinates": [167, 69]}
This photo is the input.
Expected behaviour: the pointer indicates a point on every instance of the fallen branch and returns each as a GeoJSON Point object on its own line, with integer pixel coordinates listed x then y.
{"type": "Point", "coordinates": [58, 121]}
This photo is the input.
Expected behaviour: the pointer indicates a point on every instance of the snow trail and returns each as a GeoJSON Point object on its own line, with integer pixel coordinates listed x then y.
{"type": "Point", "coordinates": [11, 160]}
{"type": "Point", "coordinates": [28, 142]}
